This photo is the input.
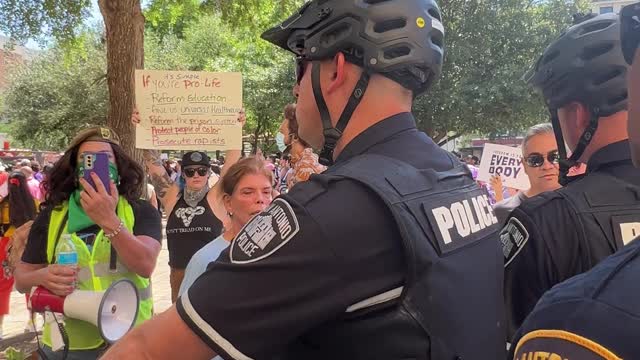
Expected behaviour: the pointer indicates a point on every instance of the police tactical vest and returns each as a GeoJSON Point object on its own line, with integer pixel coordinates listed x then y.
{"type": "Point", "coordinates": [451, 305]}
{"type": "Point", "coordinates": [608, 210]}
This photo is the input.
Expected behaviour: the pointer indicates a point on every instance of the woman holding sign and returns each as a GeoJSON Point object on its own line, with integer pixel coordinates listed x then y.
{"type": "Point", "coordinates": [196, 214]}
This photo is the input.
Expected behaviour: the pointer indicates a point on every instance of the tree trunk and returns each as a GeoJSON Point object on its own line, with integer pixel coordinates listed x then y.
{"type": "Point", "coordinates": [124, 25]}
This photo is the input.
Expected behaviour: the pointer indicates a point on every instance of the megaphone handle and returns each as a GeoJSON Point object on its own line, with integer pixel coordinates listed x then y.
{"type": "Point", "coordinates": [65, 339]}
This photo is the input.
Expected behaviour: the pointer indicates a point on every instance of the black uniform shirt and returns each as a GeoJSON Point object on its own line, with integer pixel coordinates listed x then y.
{"type": "Point", "coordinates": [589, 315]}
{"type": "Point", "coordinates": [314, 253]}
{"type": "Point", "coordinates": [545, 242]}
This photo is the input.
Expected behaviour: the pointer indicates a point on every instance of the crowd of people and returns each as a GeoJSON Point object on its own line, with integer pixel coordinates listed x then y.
{"type": "Point", "coordinates": [381, 245]}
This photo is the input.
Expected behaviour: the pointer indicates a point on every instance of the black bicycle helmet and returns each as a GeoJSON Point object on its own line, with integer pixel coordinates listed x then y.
{"type": "Point", "coordinates": [584, 64]}
{"type": "Point", "coordinates": [400, 39]}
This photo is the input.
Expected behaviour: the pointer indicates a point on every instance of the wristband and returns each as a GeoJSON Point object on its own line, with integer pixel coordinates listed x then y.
{"type": "Point", "coordinates": [116, 231]}
{"type": "Point", "coordinates": [630, 31]}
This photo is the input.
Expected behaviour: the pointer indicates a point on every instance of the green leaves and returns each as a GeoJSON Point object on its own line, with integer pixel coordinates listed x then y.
{"type": "Point", "coordinates": [489, 46]}
{"type": "Point", "coordinates": [213, 44]}
{"type": "Point", "coordinates": [40, 19]}
{"type": "Point", "coordinates": [58, 93]}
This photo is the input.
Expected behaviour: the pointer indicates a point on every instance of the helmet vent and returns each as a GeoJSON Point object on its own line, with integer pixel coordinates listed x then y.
{"type": "Point", "coordinates": [433, 12]}
{"type": "Point", "coordinates": [389, 25]}
{"type": "Point", "coordinates": [592, 52]}
{"type": "Point", "coordinates": [397, 52]}
{"type": "Point", "coordinates": [607, 76]}
{"type": "Point", "coordinates": [618, 99]}
{"type": "Point", "coordinates": [596, 27]}
{"type": "Point", "coordinates": [336, 34]}
{"type": "Point", "coordinates": [437, 41]}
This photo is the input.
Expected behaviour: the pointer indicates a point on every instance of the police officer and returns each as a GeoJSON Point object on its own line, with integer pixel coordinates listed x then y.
{"type": "Point", "coordinates": [559, 234]}
{"type": "Point", "coordinates": [596, 315]}
{"type": "Point", "coordinates": [390, 254]}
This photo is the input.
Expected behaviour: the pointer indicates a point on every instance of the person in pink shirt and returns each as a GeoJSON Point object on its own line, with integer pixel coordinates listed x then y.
{"type": "Point", "coordinates": [32, 183]}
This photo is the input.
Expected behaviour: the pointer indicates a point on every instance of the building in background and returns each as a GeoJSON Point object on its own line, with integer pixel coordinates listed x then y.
{"type": "Point", "coordinates": [609, 6]}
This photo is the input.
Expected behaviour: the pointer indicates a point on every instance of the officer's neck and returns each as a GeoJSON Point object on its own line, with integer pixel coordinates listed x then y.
{"type": "Point", "coordinates": [611, 129]}
{"type": "Point", "coordinates": [375, 107]}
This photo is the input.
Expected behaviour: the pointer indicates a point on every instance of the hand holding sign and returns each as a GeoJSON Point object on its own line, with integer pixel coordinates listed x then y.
{"type": "Point", "coordinates": [496, 184]}
{"type": "Point", "coordinates": [506, 162]}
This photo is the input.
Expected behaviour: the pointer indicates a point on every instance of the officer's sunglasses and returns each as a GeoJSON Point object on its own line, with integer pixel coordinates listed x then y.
{"type": "Point", "coordinates": [301, 67]}
{"type": "Point", "coordinates": [191, 172]}
{"type": "Point", "coordinates": [537, 159]}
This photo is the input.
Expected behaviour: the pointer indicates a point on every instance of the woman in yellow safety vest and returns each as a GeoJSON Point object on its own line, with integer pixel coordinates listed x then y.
{"type": "Point", "coordinates": [116, 235]}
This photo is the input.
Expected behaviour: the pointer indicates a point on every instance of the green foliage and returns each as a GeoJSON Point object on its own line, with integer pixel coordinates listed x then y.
{"type": "Point", "coordinates": [489, 46]}
{"type": "Point", "coordinates": [41, 19]}
{"type": "Point", "coordinates": [267, 74]}
{"type": "Point", "coordinates": [58, 93]}
{"type": "Point", "coordinates": [172, 17]}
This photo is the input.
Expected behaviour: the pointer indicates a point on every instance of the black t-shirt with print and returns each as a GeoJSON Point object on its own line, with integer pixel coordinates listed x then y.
{"type": "Point", "coordinates": [189, 229]}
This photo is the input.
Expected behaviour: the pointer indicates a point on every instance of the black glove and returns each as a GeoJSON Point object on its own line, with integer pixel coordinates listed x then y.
{"type": "Point", "coordinates": [630, 31]}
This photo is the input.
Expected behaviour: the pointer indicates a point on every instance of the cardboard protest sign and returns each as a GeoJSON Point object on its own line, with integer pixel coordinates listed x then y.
{"type": "Point", "coordinates": [187, 110]}
{"type": "Point", "coordinates": [505, 161]}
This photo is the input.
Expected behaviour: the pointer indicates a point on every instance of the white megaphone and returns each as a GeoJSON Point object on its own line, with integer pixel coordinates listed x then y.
{"type": "Point", "coordinates": [113, 311]}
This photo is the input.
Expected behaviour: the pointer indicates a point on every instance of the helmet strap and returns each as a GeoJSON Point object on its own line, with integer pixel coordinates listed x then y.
{"type": "Point", "coordinates": [333, 134]}
{"type": "Point", "coordinates": [585, 140]}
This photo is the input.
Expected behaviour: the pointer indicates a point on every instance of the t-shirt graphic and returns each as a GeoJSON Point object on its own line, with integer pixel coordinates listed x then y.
{"type": "Point", "coordinates": [187, 214]}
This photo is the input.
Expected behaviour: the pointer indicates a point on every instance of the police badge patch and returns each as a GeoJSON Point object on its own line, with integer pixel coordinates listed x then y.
{"type": "Point", "coordinates": [513, 237]}
{"type": "Point", "coordinates": [559, 345]}
{"type": "Point", "coordinates": [265, 234]}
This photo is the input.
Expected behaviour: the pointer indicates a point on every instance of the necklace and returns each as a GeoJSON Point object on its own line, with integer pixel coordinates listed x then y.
{"type": "Point", "coordinates": [192, 198]}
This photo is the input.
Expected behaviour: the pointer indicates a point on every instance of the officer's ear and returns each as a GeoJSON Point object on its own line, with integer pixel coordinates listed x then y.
{"type": "Point", "coordinates": [339, 67]}
{"type": "Point", "coordinates": [581, 115]}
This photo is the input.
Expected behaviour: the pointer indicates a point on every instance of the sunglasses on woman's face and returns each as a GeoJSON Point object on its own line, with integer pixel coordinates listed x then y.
{"type": "Point", "coordinates": [301, 67]}
{"type": "Point", "coordinates": [191, 172]}
{"type": "Point", "coordinates": [537, 159]}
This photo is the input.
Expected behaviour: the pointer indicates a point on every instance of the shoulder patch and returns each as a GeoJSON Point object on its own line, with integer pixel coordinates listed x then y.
{"type": "Point", "coordinates": [265, 234]}
{"type": "Point", "coordinates": [557, 344]}
{"type": "Point", "coordinates": [460, 220]}
{"type": "Point", "coordinates": [513, 238]}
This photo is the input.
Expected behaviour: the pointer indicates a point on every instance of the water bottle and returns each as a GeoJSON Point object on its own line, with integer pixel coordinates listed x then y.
{"type": "Point", "coordinates": [67, 254]}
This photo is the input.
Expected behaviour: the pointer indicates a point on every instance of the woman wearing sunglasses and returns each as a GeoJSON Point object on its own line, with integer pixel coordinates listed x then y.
{"type": "Point", "coordinates": [540, 162]}
{"type": "Point", "coordinates": [196, 213]}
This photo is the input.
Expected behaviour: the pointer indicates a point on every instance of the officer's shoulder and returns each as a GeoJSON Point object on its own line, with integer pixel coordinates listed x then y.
{"type": "Point", "coordinates": [605, 282]}
{"type": "Point", "coordinates": [538, 212]}
{"type": "Point", "coordinates": [601, 296]}
{"type": "Point", "coordinates": [326, 184]}
{"type": "Point", "coordinates": [540, 204]}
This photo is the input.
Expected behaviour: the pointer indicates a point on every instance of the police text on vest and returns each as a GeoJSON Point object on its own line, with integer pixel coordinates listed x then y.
{"type": "Point", "coordinates": [467, 217]}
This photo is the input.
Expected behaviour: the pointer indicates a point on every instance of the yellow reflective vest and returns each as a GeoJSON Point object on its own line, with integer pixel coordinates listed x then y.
{"type": "Point", "coordinates": [95, 274]}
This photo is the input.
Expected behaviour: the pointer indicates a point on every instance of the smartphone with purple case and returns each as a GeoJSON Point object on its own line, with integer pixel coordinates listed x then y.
{"type": "Point", "coordinates": [99, 164]}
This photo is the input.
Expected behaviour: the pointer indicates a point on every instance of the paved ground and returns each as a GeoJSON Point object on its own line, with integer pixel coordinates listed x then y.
{"type": "Point", "coordinates": [15, 322]}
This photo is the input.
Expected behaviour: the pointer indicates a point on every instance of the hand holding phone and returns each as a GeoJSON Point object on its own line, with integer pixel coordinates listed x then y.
{"type": "Point", "coordinates": [97, 163]}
